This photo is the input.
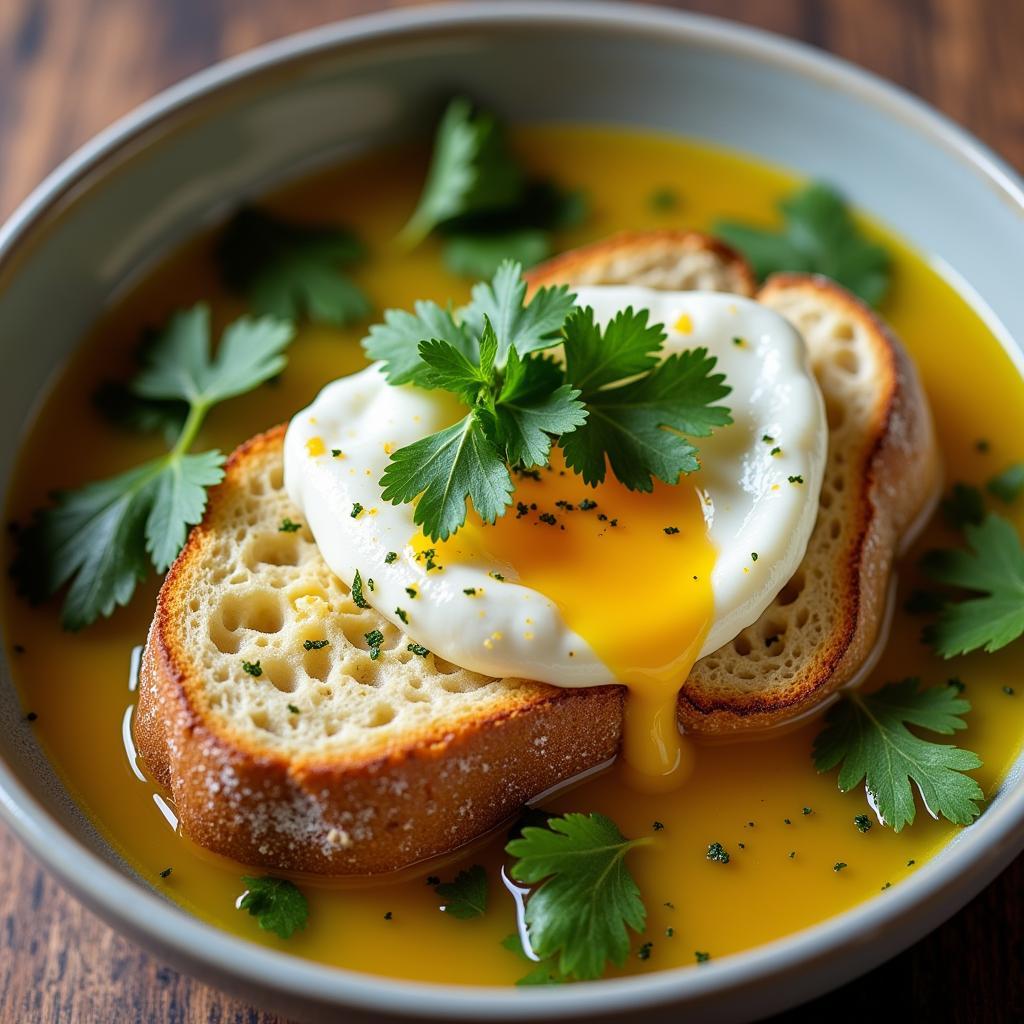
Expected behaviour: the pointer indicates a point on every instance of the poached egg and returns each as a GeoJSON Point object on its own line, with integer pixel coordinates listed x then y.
{"type": "Point", "coordinates": [578, 585]}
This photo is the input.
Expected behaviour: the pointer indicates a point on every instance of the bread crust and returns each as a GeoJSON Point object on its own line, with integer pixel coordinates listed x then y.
{"type": "Point", "coordinates": [379, 809]}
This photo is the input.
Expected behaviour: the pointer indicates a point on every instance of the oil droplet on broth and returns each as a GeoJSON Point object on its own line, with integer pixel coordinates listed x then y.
{"type": "Point", "coordinates": [630, 572]}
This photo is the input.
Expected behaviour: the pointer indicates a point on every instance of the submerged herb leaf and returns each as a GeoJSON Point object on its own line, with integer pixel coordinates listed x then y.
{"type": "Point", "coordinates": [466, 896]}
{"type": "Point", "coordinates": [292, 270]}
{"type": "Point", "coordinates": [993, 566]}
{"type": "Point", "coordinates": [820, 236]}
{"type": "Point", "coordinates": [278, 905]}
{"type": "Point", "coordinates": [867, 735]}
{"type": "Point", "coordinates": [102, 537]}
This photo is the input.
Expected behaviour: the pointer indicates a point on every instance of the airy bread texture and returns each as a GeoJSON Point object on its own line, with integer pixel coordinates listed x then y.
{"type": "Point", "coordinates": [332, 761]}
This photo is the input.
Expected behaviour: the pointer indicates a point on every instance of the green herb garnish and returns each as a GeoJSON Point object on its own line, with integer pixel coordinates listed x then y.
{"type": "Point", "coordinates": [293, 709]}
{"type": "Point", "coordinates": [481, 201]}
{"type": "Point", "coordinates": [374, 638]}
{"type": "Point", "coordinates": [862, 823]}
{"type": "Point", "coordinates": [867, 735]}
{"type": "Point", "coordinates": [102, 537]}
{"type": "Point", "coordinates": [287, 526]}
{"type": "Point", "coordinates": [466, 896]}
{"type": "Point", "coordinates": [278, 905]}
{"type": "Point", "coordinates": [357, 591]}
{"type": "Point", "coordinates": [963, 505]}
{"type": "Point", "coordinates": [521, 402]}
{"type": "Point", "coordinates": [1008, 485]}
{"type": "Point", "coordinates": [315, 645]}
{"type": "Point", "coordinates": [417, 649]}
{"type": "Point", "coordinates": [992, 565]}
{"type": "Point", "coordinates": [542, 973]}
{"type": "Point", "coordinates": [403, 615]}
{"type": "Point", "coordinates": [587, 899]}
{"type": "Point", "coordinates": [718, 853]}
{"type": "Point", "coordinates": [252, 668]}
{"type": "Point", "coordinates": [819, 236]}
{"type": "Point", "coordinates": [292, 270]}
{"type": "Point", "coordinates": [390, 557]}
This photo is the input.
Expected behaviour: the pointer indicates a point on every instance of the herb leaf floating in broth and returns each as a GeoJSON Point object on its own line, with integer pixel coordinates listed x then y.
{"type": "Point", "coordinates": [521, 402]}
{"type": "Point", "coordinates": [466, 896]}
{"type": "Point", "coordinates": [1008, 486]}
{"type": "Point", "coordinates": [101, 537]}
{"type": "Point", "coordinates": [587, 900]}
{"type": "Point", "coordinates": [278, 905]}
{"type": "Point", "coordinates": [820, 236]}
{"type": "Point", "coordinates": [543, 973]}
{"type": "Point", "coordinates": [992, 565]}
{"type": "Point", "coordinates": [291, 270]}
{"type": "Point", "coordinates": [867, 734]}
{"type": "Point", "coordinates": [480, 200]}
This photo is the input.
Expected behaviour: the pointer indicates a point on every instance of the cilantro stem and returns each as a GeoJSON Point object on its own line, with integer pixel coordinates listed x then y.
{"type": "Point", "coordinates": [197, 411]}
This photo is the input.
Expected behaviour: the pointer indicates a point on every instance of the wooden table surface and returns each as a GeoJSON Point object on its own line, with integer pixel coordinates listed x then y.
{"type": "Point", "coordinates": [69, 67]}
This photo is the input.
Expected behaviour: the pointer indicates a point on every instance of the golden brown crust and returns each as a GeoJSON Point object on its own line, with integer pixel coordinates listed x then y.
{"type": "Point", "coordinates": [670, 259]}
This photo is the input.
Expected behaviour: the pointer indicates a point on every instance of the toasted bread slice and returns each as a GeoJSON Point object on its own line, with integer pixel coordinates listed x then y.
{"type": "Point", "coordinates": [332, 761]}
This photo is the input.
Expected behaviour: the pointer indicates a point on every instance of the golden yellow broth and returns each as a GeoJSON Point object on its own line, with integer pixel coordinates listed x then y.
{"type": "Point", "coordinates": [781, 878]}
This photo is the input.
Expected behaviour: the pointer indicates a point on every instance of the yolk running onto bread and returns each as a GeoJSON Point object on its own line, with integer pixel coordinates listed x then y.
{"type": "Point", "coordinates": [630, 573]}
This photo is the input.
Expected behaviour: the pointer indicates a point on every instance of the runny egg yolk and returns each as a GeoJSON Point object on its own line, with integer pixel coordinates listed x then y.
{"type": "Point", "coordinates": [630, 572]}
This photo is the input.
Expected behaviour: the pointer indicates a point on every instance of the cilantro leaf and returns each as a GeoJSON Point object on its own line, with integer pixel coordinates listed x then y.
{"type": "Point", "coordinates": [626, 424]}
{"type": "Point", "coordinates": [481, 255]}
{"type": "Point", "coordinates": [446, 468]}
{"type": "Point", "coordinates": [819, 236]}
{"type": "Point", "coordinates": [543, 972]}
{"type": "Point", "coordinates": [470, 170]}
{"type": "Point", "coordinates": [278, 905]}
{"type": "Point", "coordinates": [526, 326]}
{"type": "Point", "coordinates": [180, 366]}
{"type": "Point", "coordinates": [533, 406]}
{"type": "Point", "coordinates": [993, 565]}
{"type": "Point", "coordinates": [867, 734]}
{"type": "Point", "coordinates": [396, 341]}
{"type": "Point", "coordinates": [179, 500]}
{"type": "Point", "coordinates": [963, 505]}
{"type": "Point", "coordinates": [124, 409]}
{"type": "Point", "coordinates": [1008, 486]}
{"type": "Point", "coordinates": [587, 900]}
{"type": "Point", "coordinates": [466, 896]}
{"type": "Point", "coordinates": [292, 270]}
{"type": "Point", "coordinates": [102, 537]}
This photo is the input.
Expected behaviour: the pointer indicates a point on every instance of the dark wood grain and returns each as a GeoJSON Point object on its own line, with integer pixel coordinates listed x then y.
{"type": "Point", "coordinates": [69, 67]}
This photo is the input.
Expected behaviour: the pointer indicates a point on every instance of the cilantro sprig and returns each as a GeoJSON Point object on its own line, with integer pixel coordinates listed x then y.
{"type": "Point", "coordinates": [612, 400]}
{"type": "Point", "coordinates": [277, 904]}
{"type": "Point", "coordinates": [819, 236]}
{"type": "Point", "coordinates": [465, 897]}
{"type": "Point", "coordinates": [101, 538]}
{"type": "Point", "coordinates": [481, 201]}
{"type": "Point", "coordinates": [292, 270]}
{"type": "Point", "coordinates": [867, 735]}
{"type": "Point", "coordinates": [992, 565]}
{"type": "Point", "coordinates": [580, 914]}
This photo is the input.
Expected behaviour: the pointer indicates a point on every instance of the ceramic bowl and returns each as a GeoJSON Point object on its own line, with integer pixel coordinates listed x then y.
{"type": "Point", "coordinates": [184, 159]}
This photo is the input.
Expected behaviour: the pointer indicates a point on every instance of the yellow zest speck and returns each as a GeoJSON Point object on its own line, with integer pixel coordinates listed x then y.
{"type": "Point", "coordinates": [388, 447]}
{"type": "Point", "coordinates": [488, 643]}
{"type": "Point", "coordinates": [527, 636]}
{"type": "Point", "coordinates": [746, 568]}
{"type": "Point", "coordinates": [732, 308]}
{"type": "Point", "coordinates": [684, 325]}
{"type": "Point", "coordinates": [315, 447]}
{"type": "Point", "coordinates": [775, 487]}
{"type": "Point", "coordinates": [372, 512]}
{"type": "Point", "coordinates": [496, 635]}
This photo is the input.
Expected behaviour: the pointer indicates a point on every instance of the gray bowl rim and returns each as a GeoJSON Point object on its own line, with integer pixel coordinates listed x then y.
{"type": "Point", "coordinates": [952, 879]}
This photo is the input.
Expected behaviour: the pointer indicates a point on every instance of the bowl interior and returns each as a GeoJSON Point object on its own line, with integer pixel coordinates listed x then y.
{"type": "Point", "coordinates": [186, 159]}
